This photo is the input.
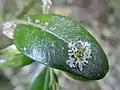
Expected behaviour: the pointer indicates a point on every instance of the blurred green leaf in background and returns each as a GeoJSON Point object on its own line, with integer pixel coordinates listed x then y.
{"type": "Point", "coordinates": [45, 80]}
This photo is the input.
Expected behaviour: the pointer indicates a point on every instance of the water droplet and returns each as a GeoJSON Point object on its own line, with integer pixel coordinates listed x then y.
{"type": "Point", "coordinates": [52, 44]}
{"type": "Point", "coordinates": [98, 74]}
{"type": "Point", "coordinates": [2, 60]}
{"type": "Point", "coordinates": [46, 23]}
{"type": "Point", "coordinates": [24, 49]}
{"type": "Point", "coordinates": [53, 28]}
{"type": "Point", "coordinates": [37, 21]}
{"type": "Point", "coordinates": [28, 18]}
{"type": "Point", "coordinates": [63, 48]}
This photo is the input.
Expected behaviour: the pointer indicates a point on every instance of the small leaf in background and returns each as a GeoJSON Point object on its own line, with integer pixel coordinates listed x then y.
{"type": "Point", "coordinates": [63, 44]}
{"type": "Point", "coordinates": [10, 57]}
{"type": "Point", "coordinates": [45, 80]}
{"type": "Point", "coordinates": [19, 60]}
{"type": "Point", "coordinates": [9, 51]}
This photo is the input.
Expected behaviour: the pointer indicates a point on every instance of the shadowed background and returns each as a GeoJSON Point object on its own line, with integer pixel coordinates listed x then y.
{"type": "Point", "coordinates": [101, 16]}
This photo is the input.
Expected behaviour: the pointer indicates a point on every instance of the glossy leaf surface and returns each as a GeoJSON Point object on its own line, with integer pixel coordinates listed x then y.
{"type": "Point", "coordinates": [63, 44]}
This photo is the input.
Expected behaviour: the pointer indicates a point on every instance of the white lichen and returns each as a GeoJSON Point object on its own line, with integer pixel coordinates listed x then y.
{"type": "Point", "coordinates": [79, 52]}
{"type": "Point", "coordinates": [8, 29]}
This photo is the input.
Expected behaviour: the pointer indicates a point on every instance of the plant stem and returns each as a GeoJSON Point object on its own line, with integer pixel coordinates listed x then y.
{"type": "Point", "coordinates": [26, 9]}
{"type": "Point", "coordinates": [47, 5]}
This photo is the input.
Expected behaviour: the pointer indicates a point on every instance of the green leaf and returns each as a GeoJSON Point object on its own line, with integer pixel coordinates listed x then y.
{"type": "Point", "coordinates": [8, 52]}
{"type": "Point", "coordinates": [11, 58]}
{"type": "Point", "coordinates": [45, 80]}
{"type": "Point", "coordinates": [18, 61]}
{"type": "Point", "coordinates": [61, 43]}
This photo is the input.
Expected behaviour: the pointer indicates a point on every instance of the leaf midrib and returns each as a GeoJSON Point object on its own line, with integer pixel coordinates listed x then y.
{"type": "Point", "coordinates": [42, 28]}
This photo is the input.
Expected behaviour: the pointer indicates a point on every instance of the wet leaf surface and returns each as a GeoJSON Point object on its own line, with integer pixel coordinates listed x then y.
{"type": "Point", "coordinates": [61, 43]}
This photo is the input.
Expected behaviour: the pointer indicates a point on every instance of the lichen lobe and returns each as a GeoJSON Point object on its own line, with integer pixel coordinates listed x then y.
{"type": "Point", "coordinates": [78, 54]}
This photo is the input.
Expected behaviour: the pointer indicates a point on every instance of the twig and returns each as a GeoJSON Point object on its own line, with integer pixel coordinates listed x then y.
{"type": "Point", "coordinates": [47, 5]}
{"type": "Point", "coordinates": [26, 9]}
